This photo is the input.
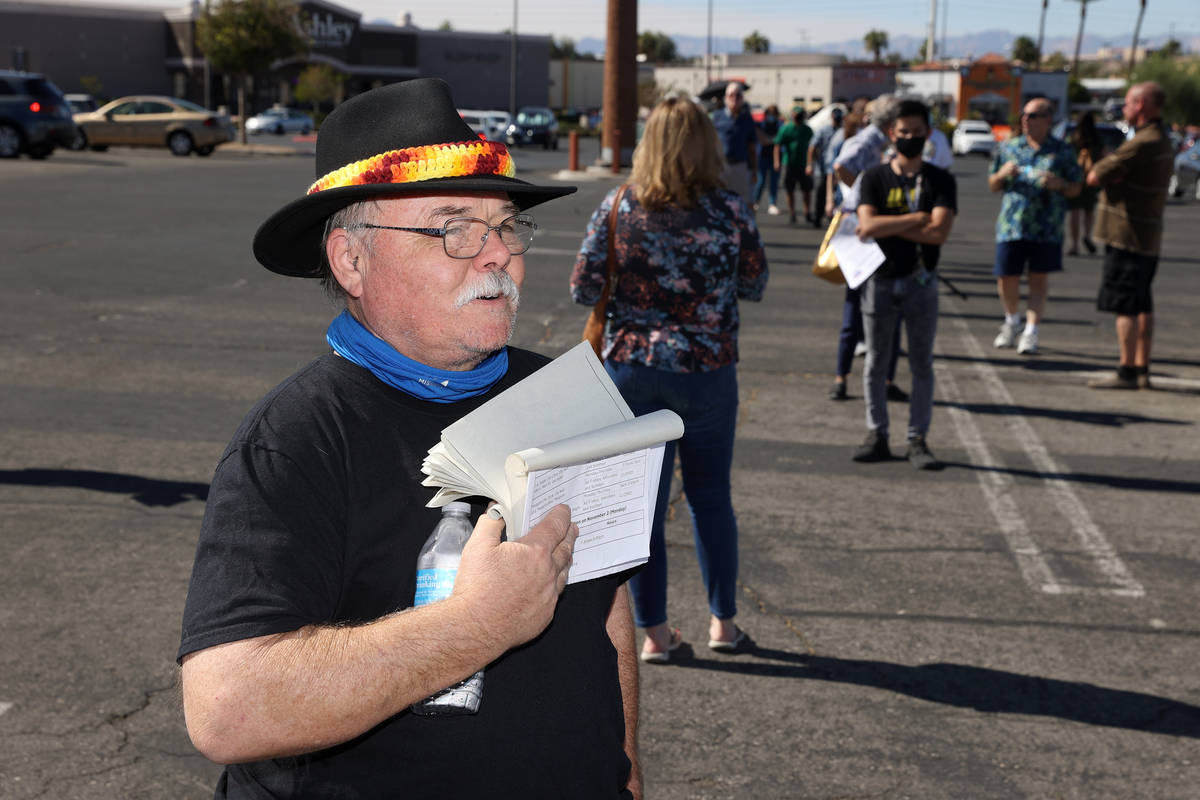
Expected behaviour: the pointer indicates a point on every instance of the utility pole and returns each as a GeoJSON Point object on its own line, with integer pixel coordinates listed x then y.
{"type": "Point", "coordinates": [512, 69]}
{"type": "Point", "coordinates": [931, 44]}
{"type": "Point", "coordinates": [1137, 29]}
{"type": "Point", "coordinates": [1041, 34]}
{"type": "Point", "coordinates": [708, 50]}
{"type": "Point", "coordinates": [620, 81]}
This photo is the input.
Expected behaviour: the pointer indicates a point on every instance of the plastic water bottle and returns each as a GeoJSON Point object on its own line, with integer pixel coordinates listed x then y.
{"type": "Point", "coordinates": [437, 567]}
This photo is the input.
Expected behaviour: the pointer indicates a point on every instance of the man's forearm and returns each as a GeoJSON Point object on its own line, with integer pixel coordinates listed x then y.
{"type": "Point", "coordinates": [620, 630]}
{"type": "Point", "coordinates": [845, 175]}
{"type": "Point", "coordinates": [881, 226]}
{"type": "Point", "coordinates": [293, 693]}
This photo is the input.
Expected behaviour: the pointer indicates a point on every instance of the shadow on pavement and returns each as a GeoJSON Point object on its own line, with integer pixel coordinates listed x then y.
{"type": "Point", "coordinates": [147, 491]}
{"type": "Point", "coordinates": [1112, 419]}
{"type": "Point", "coordinates": [982, 689]}
{"type": "Point", "coordinates": [1111, 481]}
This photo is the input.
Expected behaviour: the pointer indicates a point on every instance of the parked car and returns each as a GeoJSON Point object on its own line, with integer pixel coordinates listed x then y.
{"type": "Point", "coordinates": [534, 125]}
{"type": "Point", "coordinates": [34, 116]}
{"type": "Point", "coordinates": [79, 103]}
{"type": "Point", "coordinates": [280, 121]}
{"type": "Point", "coordinates": [972, 136]}
{"type": "Point", "coordinates": [1187, 171]}
{"type": "Point", "coordinates": [155, 121]}
{"type": "Point", "coordinates": [490, 125]}
{"type": "Point", "coordinates": [1112, 134]}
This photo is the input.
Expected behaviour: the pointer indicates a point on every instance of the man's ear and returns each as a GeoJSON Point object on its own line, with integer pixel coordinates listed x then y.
{"type": "Point", "coordinates": [346, 261]}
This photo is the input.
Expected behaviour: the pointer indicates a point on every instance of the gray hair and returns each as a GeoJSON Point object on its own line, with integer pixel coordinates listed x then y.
{"type": "Point", "coordinates": [883, 111]}
{"type": "Point", "coordinates": [350, 219]}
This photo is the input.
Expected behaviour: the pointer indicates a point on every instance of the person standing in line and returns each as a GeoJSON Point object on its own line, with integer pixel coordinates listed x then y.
{"type": "Point", "coordinates": [1081, 209]}
{"type": "Point", "coordinates": [768, 175]}
{"type": "Point", "coordinates": [739, 135]}
{"type": "Point", "coordinates": [1037, 173]}
{"type": "Point", "coordinates": [301, 652]}
{"type": "Point", "coordinates": [1133, 184]}
{"type": "Point", "coordinates": [908, 208]}
{"type": "Point", "coordinates": [687, 251]}
{"type": "Point", "coordinates": [815, 166]}
{"type": "Point", "coordinates": [863, 148]}
{"type": "Point", "coordinates": [791, 154]}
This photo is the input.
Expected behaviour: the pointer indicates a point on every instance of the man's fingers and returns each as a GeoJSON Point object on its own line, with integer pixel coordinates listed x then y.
{"type": "Point", "coordinates": [488, 530]}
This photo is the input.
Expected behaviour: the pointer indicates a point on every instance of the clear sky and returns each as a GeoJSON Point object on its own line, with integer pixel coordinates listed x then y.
{"type": "Point", "coordinates": [790, 22]}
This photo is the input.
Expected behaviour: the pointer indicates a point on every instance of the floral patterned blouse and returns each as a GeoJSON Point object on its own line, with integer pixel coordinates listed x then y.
{"type": "Point", "coordinates": [680, 274]}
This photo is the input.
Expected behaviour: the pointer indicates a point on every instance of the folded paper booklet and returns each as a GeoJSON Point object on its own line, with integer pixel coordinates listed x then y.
{"type": "Point", "coordinates": [561, 435]}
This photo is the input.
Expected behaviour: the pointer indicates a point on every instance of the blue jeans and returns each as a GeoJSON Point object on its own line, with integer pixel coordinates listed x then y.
{"type": "Point", "coordinates": [707, 402]}
{"type": "Point", "coordinates": [883, 299]}
{"type": "Point", "coordinates": [768, 177]}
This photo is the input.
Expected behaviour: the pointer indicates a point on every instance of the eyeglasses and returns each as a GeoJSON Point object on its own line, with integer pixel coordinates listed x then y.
{"type": "Point", "coordinates": [465, 237]}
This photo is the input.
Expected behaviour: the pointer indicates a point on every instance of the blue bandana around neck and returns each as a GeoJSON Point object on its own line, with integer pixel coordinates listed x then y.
{"type": "Point", "coordinates": [353, 342]}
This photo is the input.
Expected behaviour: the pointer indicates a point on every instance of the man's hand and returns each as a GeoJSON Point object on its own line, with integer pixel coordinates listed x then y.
{"type": "Point", "coordinates": [872, 225]}
{"type": "Point", "coordinates": [1009, 169]}
{"type": "Point", "coordinates": [808, 169]}
{"type": "Point", "coordinates": [512, 588]}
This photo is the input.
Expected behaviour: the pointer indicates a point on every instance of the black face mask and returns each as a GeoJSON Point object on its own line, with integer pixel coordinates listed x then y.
{"type": "Point", "coordinates": [910, 147]}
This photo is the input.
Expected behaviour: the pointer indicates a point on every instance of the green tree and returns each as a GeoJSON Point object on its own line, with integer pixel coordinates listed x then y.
{"type": "Point", "coordinates": [563, 48]}
{"type": "Point", "coordinates": [1172, 49]}
{"type": "Point", "coordinates": [650, 94]}
{"type": "Point", "coordinates": [657, 47]}
{"type": "Point", "coordinates": [1076, 93]}
{"type": "Point", "coordinates": [1055, 61]}
{"type": "Point", "coordinates": [243, 37]}
{"type": "Point", "coordinates": [1180, 79]}
{"type": "Point", "coordinates": [875, 42]}
{"type": "Point", "coordinates": [445, 26]}
{"type": "Point", "coordinates": [894, 57]}
{"type": "Point", "coordinates": [318, 83]}
{"type": "Point", "coordinates": [756, 43]}
{"type": "Point", "coordinates": [1025, 50]}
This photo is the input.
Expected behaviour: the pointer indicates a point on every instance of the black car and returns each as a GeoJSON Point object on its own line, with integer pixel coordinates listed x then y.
{"type": "Point", "coordinates": [34, 116]}
{"type": "Point", "coordinates": [534, 125]}
{"type": "Point", "coordinates": [1112, 135]}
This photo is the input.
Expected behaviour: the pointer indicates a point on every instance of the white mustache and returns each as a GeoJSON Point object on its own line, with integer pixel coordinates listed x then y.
{"type": "Point", "coordinates": [492, 284]}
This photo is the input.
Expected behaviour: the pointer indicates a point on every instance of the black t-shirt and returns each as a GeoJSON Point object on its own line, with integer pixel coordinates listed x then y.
{"type": "Point", "coordinates": [316, 516]}
{"type": "Point", "coordinates": [893, 195]}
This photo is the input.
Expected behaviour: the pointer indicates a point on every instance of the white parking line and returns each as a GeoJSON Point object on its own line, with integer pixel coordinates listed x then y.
{"type": "Point", "coordinates": [4, 707]}
{"type": "Point", "coordinates": [997, 487]}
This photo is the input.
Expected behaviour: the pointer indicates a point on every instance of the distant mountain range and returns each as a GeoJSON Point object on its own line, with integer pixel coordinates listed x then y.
{"type": "Point", "coordinates": [963, 46]}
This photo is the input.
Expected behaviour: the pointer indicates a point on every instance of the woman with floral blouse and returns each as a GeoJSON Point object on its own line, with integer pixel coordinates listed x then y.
{"type": "Point", "coordinates": [687, 250]}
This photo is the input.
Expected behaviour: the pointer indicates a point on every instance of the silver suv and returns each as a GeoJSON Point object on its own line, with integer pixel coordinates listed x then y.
{"type": "Point", "coordinates": [34, 116]}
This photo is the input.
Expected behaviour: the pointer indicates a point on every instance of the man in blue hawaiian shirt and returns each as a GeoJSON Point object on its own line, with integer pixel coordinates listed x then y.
{"type": "Point", "coordinates": [1036, 172]}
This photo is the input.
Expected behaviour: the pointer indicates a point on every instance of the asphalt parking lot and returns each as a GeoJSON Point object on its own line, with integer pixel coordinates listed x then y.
{"type": "Point", "coordinates": [1021, 624]}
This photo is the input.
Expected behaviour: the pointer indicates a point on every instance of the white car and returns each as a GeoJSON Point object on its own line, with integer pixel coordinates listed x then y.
{"type": "Point", "coordinates": [490, 125]}
{"type": "Point", "coordinates": [279, 121]}
{"type": "Point", "coordinates": [973, 136]}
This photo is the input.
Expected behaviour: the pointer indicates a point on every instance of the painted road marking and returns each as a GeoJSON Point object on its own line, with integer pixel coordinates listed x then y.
{"type": "Point", "coordinates": [4, 707]}
{"type": "Point", "coordinates": [997, 488]}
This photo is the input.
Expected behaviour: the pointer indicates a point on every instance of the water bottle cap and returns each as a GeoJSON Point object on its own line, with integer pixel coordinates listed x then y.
{"type": "Point", "coordinates": [465, 508]}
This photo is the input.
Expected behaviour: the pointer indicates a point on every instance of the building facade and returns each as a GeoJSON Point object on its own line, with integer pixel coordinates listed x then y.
{"type": "Point", "coordinates": [992, 88]}
{"type": "Point", "coordinates": [127, 50]}
{"type": "Point", "coordinates": [810, 80]}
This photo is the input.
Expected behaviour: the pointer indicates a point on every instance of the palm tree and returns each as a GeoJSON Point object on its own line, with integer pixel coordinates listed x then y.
{"type": "Point", "coordinates": [1079, 36]}
{"type": "Point", "coordinates": [875, 41]}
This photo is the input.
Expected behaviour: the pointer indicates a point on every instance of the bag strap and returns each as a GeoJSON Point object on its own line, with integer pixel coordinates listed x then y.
{"type": "Point", "coordinates": [610, 276]}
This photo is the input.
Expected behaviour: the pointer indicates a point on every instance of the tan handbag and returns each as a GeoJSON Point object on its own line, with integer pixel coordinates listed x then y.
{"type": "Point", "coordinates": [825, 265]}
{"type": "Point", "coordinates": [593, 329]}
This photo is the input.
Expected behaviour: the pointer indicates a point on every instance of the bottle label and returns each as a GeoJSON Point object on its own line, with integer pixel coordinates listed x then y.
{"type": "Point", "coordinates": [433, 584]}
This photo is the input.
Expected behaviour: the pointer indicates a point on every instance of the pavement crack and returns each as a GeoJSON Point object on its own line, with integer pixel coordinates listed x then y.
{"type": "Point", "coordinates": [787, 621]}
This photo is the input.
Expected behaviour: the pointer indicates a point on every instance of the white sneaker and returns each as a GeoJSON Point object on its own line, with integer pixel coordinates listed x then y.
{"type": "Point", "coordinates": [860, 349]}
{"type": "Point", "coordinates": [773, 211]}
{"type": "Point", "coordinates": [1029, 343]}
{"type": "Point", "coordinates": [1007, 337]}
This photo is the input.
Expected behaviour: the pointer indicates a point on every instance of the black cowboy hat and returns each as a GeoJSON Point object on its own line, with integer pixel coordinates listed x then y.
{"type": "Point", "coordinates": [384, 143]}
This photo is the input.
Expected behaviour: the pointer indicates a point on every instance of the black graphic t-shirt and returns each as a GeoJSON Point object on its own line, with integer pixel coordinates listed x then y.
{"type": "Point", "coordinates": [892, 195]}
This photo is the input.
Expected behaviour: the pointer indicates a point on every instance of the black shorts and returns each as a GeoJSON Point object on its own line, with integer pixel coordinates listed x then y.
{"type": "Point", "coordinates": [793, 177]}
{"type": "Point", "coordinates": [1125, 285]}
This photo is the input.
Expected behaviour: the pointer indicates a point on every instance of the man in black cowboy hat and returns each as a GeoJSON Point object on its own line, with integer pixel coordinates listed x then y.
{"type": "Point", "coordinates": [298, 665]}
